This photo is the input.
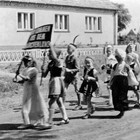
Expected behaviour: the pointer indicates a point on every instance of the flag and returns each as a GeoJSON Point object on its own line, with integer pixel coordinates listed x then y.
{"type": "Point", "coordinates": [40, 37]}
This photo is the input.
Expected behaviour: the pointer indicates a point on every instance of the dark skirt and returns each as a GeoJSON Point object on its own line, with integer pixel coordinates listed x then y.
{"type": "Point", "coordinates": [119, 93]}
{"type": "Point", "coordinates": [88, 87]}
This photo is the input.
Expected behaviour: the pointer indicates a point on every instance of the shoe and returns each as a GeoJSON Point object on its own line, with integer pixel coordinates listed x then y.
{"type": "Point", "coordinates": [109, 103]}
{"type": "Point", "coordinates": [106, 81]}
{"type": "Point", "coordinates": [92, 111]}
{"type": "Point", "coordinates": [86, 116]}
{"type": "Point", "coordinates": [137, 105]}
{"type": "Point", "coordinates": [78, 107]}
{"type": "Point", "coordinates": [64, 121]}
{"type": "Point", "coordinates": [43, 127]}
{"type": "Point", "coordinates": [120, 114]}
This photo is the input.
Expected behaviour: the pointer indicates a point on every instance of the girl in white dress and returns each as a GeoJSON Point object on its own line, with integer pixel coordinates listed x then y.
{"type": "Point", "coordinates": [34, 108]}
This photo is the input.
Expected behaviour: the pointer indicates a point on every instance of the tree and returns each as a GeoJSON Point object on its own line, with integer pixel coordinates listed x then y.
{"type": "Point", "coordinates": [124, 18]}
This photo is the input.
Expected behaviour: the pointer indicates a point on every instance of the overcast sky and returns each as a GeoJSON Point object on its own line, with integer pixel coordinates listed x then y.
{"type": "Point", "coordinates": [134, 10]}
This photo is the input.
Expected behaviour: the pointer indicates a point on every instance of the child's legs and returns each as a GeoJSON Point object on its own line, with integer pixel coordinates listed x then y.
{"type": "Point", "coordinates": [110, 95]}
{"type": "Point", "coordinates": [62, 108]}
{"type": "Point", "coordinates": [137, 95]}
{"type": "Point", "coordinates": [97, 91]}
{"type": "Point", "coordinates": [66, 88]}
{"type": "Point", "coordinates": [90, 107]}
{"type": "Point", "coordinates": [25, 112]}
{"type": "Point", "coordinates": [51, 109]}
{"type": "Point", "coordinates": [75, 83]}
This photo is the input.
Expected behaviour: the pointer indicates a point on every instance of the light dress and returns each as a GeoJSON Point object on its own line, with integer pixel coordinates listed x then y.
{"type": "Point", "coordinates": [109, 61]}
{"type": "Point", "coordinates": [33, 102]}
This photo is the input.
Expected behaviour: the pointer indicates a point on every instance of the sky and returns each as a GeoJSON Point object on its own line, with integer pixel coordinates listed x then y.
{"type": "Point", "coordinates": [134, 9]}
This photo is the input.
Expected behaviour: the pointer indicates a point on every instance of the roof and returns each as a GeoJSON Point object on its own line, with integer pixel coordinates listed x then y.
{"type": "Point", "coordinates": [96, 4]}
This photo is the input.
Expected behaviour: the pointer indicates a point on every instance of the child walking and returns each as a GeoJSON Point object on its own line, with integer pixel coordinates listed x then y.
{"type": "Point", "coordinates": [56, 85]}
{"type": "Point", "coordinates": [34, 109]}
{"type": "Point", "coordinates": [110, 61]}
{"type": "Point", "coordinates": [71, 71]}
{"type": "Point", "coordinates": [89, 85]}
{"type": "Point", "coordinates": [119, 83]}
{"type": "Point", "coordinates": [132, 59]}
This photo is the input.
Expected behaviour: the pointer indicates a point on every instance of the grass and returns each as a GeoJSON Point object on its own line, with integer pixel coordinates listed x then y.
{"type": "Point", "coordinates": [7, 85]}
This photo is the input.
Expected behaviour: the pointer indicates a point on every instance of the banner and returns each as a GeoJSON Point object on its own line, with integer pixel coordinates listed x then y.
{"type": "Point", "coordinates": [40, 37]}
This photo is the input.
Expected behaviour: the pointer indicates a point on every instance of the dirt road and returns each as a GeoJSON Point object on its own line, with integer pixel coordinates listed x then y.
{"type": "Point", "coordinates": [103, 125]}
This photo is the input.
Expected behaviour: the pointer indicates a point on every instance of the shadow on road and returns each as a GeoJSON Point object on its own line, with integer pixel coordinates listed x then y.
{"type": "Point", "coordinates": [9, 126]}
{"type": "Point", "coordinates": [104, 117]}
{"type": "Point", "coordinates": [104, 108]}
{"type": "Point", "coordinates": [26, 134]}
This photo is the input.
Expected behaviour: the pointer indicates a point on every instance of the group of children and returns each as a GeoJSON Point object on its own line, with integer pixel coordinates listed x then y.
{"type": "Point", "coordinates": [122, 76]}
{"type": "Point", "coordinates": [34, 110]}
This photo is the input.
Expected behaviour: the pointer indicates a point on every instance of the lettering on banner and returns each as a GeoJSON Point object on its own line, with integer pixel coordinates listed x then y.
{"type": "Point", "coordinates": [40, 37]}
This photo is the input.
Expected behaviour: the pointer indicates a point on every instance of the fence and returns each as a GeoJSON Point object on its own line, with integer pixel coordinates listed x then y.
{"type": "Point", "coordinates": [16, 55]}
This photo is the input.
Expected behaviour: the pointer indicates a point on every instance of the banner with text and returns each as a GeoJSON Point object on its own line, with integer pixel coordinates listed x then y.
{"type": "Point", "coordinates": [40, 37]}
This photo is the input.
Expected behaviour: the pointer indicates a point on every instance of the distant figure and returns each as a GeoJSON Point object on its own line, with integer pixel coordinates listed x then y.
{"type": "Point", "coordinates": [34, 108]}
{"type": "Point", "coordinates": [56, 85]}
{"type": "Point", "coordinates": [135, 59]}
{"type": "Point", "coordinates": [132, 59]}
{"type": "Point", "coordinates": [110, 61]}
{"type": "Point", "coordinates": [119, 83]}
{"type": "Point", "coordinates": [71, 70]}
{"type": "Point", "coordinates": [89, 85]}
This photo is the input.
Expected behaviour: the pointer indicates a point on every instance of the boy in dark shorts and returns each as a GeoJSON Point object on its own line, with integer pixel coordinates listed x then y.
{"type": "Point", "coordinates": [71, 71]}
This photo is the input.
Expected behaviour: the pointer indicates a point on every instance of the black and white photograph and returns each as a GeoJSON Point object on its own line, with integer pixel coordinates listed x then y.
{"type": "Point", "coordinates": [69, 70]}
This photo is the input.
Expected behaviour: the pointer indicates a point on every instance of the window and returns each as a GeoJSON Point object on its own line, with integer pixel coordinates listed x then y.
{"type": "Point", "coordinates": [26, 21]}
{"type": "Point", "coordinates": [61, 22]}
{"type": "Point", "coordinates": [93, 24]}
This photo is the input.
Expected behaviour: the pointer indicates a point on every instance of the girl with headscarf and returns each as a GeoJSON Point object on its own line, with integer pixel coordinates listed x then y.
{"type": "Point", "coordinates": [119, 83]}
{"type": "Point", "coordinates": [134, 59]}
{"type": "Point", "coordinates": [34, 108]}
{"type": "Point", "coordinates": [110, 61]}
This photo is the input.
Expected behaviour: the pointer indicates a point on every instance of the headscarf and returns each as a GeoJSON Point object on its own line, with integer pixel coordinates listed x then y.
{"type": "Point", "coordinates": [27, 58]}
{"type": "Point", "coordinates": [109, 47]}
{"type": "Point", "coordinates": [120, 53]}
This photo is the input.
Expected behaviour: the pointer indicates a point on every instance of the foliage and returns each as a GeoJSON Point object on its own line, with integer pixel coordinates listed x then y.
{"type": "Point", "coordinates": [124, 18]}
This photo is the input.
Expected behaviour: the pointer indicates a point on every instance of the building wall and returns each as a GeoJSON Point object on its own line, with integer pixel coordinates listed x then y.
{"type": "Point", "coordinates": [10, 36]}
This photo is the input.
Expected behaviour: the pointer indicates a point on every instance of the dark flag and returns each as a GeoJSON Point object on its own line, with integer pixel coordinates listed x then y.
{"type": "Point", "coordinates": [40, 37]}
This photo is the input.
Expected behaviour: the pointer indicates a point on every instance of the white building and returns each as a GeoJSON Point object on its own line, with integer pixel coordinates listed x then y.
{"type": "Point", "coordinates": [95, 21]}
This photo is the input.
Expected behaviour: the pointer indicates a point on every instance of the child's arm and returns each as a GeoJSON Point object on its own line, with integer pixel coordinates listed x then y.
{"type": "Point", "coordinates": [112, 75]}
{"type": "Point", "coordinates": [45, 73]}
{"type": "Point", "coordinates": [18, 80]}
{"type": "Point", "coordinates": [95, 78]}
{"type": "Point", "coordinates": [32, 73]}
{"type": "Point", "coordinates": [53, 52]}
{"type": "Point", "coordinates": [25, 78]}
{"type": "Point", "coordinates": [76, 66]}
{"type": "Point", "coordinates": [137, 61]}
{"type": "Point", "coordinates": [54, 56]}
